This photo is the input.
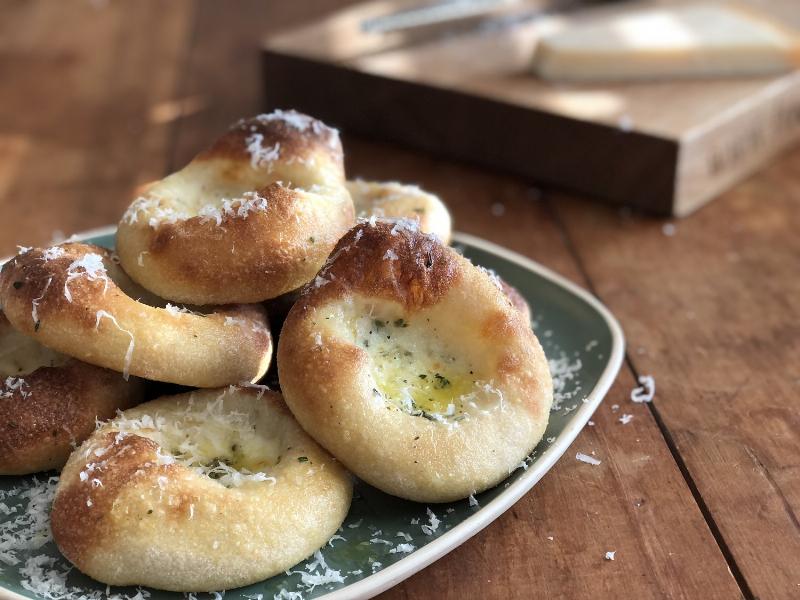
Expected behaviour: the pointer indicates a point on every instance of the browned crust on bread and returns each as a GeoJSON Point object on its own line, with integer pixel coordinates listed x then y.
{"type": "Point", "coordinates": [150, 521]}
{"type": "Point", "coordinates": [29, 278]}
{"type": "Point", "coordinates": [328, 377]}
{"type": "Point", "coordinates": [517, 299]}
{"type": "Point", "coordinates": [253, 255]}
{"type": "Point", "coordinates": [80, 511]}
{"type": "Point", "coordinates": [101, 322]}
{"type": "Point", "coordinates": [58, 408]}
{"type": "Point", "coordinates": [269, 247]}
{"type": "Point", "coordinates": [420, 274]}
{"type": "Point", "coordinates": [299, 143]}
{"type": "Point", "coordinates": [327, 363]}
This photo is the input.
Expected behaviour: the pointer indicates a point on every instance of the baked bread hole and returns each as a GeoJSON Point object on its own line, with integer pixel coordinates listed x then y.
{"type": "Point", "coordinates": [231, 447]}
{"type": "Point", "coordinates": [414, 369]}
{"type": "Point", "coordinates": [197, 194]}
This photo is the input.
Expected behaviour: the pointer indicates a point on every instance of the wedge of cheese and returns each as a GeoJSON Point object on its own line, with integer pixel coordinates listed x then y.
{"type": "Point", "coordinates": [696, 40]}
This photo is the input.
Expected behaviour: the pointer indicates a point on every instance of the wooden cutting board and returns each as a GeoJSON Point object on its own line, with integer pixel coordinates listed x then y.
{"type": "Point", "coordinates": [464, 90]}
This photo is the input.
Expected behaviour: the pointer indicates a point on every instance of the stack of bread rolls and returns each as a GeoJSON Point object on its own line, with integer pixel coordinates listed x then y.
{"type": "Point", "coordinates": [399, 361]}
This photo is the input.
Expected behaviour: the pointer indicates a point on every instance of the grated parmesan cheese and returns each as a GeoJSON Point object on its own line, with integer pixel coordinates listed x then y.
{"type": "Point", "coordinates": [35, 301]}
{"type": "Point", "coordinates": [303, 123]}
{"type": "Point", "coordinates": [93, 270]}
{"type": "Point", "coordinates": [284, 595]}
{"type": "Point", "coordinates": [129, 353]}
{"type": "Point", "coordinates": [334, 538]}
{"type": "Point", "coordinates": [402, 549]}
{"type": "Point", "coordinates": [376, 540]}
{"type": "Point", "coordinates": [473, 502]}
{"type": "Point", "coordinates": [199, 439]}
{"type": "Point", "coordinates": [234, 208]}
{"type": "Point", "coordinates": [29, 529]}
{"type": "Point", "coordinates": [390, 255]}
{"type": "Point", "coordinates": [12, 384]}
{"type": "Point", "coordinates": [522, 465]}
{"type": "Point", "coordinates": [261, 156]}
{"type": "Point", "coordinates": [158, 214]}
{"type": "Point", "coordinates": [610, 554]}
{"type": "Point", "coordinates": [625, 419]}
{"type": "Point", "coordinates": [311, 578]}
{"type": "Point", "coordinates": [177, 311]}
{"type": "Point", "coordinates": [402, 225]}
{"type": "Point", "coordinates": [563, 371]}
{"type": "Point", "coordinates": [254, 386]}
{"type": "Point", "coordinates": [433, 523]}
{"type": "Point", "coordinates": [52, 253]}
{"type": "Point", "coordinates": [646, 391]}
{"type": "Point", "coordinates": [591, 460]}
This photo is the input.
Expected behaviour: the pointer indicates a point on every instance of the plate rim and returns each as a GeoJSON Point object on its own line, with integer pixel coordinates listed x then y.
{"type": "Point", "coordinates": [436, 549]}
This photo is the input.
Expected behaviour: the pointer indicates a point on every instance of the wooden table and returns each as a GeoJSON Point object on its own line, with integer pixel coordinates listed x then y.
{"type": "Point", "coordinates": [699, 494]}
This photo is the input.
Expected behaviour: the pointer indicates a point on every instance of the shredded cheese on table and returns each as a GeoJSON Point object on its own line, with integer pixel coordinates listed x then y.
{"type": "Point", "coordinates": [646, 391]}
{"type": "Point", "coordinates": [591, 460]}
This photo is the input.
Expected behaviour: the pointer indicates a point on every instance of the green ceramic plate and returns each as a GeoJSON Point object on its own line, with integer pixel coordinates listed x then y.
{"type": "Point", "coordinates": [384, 539]}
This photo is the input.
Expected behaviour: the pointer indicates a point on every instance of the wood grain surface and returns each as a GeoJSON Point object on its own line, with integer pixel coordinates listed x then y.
{"type": "Point", "coordinates": [698, 495]}
{"type": "Point", "coordinates": [686, 139]}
